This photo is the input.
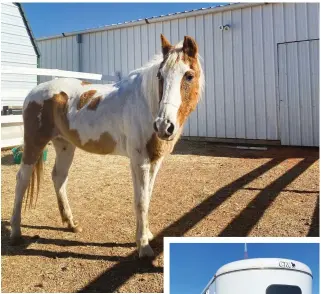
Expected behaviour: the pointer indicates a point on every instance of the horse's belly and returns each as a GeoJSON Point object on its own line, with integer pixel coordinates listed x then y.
{"type": "Point", "coordinates": [104, 145]}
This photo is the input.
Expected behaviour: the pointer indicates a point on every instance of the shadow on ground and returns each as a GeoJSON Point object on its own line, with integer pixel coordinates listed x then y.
{"type": "Point", "coordinates": [7, 160]}
{"type": "Point", "coordinates": [239, 226]}
{"type": "Point", "coordinates": [186, 147]}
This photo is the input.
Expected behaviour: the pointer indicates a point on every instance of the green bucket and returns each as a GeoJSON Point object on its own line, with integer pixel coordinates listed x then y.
{"type": "Point", "coordinates": [18, 151]}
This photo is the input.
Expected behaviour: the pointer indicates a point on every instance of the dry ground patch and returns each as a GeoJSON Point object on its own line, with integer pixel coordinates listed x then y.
{"type": "Point", "coordinates": [202, 189]}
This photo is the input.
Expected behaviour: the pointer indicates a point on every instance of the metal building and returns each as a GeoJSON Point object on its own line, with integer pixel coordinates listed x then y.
{"type": "Point", "coordinates": [261, 64]}
{"type": "Point", "coordinates": [261, 276]}
{"type": "Point", "coordinates": [18, 48]}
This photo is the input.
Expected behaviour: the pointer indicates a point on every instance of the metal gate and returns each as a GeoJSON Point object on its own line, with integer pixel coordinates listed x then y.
{"type": "Point", "coordinates": [298, 65]}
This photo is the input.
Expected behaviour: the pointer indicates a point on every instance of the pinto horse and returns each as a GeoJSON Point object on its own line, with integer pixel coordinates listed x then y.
{"type": "Point", "coordinates": [141, 117]}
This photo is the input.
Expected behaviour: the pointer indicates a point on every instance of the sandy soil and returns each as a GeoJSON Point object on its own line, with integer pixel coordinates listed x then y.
{"type": "Point", "coordinates": [203, 189]}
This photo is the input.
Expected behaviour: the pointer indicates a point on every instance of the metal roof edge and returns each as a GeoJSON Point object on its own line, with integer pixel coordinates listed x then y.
{"type": "Point", "coordinates": [28, 27]}
{"type": "Point", "coordinates": [201, 11]}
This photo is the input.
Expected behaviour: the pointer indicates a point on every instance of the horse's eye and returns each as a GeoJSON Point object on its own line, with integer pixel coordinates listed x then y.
{"type": "Point", "coordinates": [189, 77]}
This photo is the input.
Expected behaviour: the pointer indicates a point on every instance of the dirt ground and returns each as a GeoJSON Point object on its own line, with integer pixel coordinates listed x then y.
{"type": "Point", "coordinates": [203, 189]}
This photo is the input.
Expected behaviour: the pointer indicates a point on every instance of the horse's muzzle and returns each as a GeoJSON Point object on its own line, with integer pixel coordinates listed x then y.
{"type": "Point", "coordinates": [164, 128]}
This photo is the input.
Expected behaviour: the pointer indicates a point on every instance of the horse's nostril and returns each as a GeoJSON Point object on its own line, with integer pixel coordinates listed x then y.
{"type": "Point", "coordinates": [170, 129]}
{"type": "Point", "coordinates": [155, 127]}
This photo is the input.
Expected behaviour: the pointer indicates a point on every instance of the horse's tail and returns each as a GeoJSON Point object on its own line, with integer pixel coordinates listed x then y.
{"type": "Point", "coordinates": [37, 176]}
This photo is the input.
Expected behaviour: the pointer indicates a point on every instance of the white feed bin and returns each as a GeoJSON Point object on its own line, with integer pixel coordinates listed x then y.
{"type": "Point", "coordinates": [262, 276]}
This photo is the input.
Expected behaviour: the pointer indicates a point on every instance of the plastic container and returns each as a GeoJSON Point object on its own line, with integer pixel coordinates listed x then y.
{"type": "Point", "coordinates": [18, 151]}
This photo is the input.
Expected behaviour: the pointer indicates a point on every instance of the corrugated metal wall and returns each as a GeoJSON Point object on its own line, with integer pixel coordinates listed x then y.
{"type": "Point", "coordinates": [299, 93]}
{"type": "Point", "coordinates": [16, 50]}
{"type": "Point", "coordinates": [241, 98]}
{"type": "Point", "coordinates": [61, 53]}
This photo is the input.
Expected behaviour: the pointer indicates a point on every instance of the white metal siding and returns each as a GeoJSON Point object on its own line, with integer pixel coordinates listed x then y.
{"type": "Point", "coordinates": [240, 65]}
{"type": "Point", "coordinates": [16, 50]}
{"type": "Point", "coordinates": [59, 54]}
{"type": "Point", "coordinates": [299, 93]}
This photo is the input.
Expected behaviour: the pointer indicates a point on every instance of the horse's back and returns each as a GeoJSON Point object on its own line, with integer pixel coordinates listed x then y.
{"type": "Point", "coordinates": [47, 90]}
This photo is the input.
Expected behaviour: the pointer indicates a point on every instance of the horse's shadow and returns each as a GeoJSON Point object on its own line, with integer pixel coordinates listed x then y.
{"type": "Point", "coordinates": [7, 160]}
{"type": "Point", "coordinates": [23, 247]}
{"type": "Point", "coordinates": [129, 262]}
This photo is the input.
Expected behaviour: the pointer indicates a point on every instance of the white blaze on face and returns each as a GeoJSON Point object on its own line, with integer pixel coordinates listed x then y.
{"type": "Point", "coordinates": [172, 73]}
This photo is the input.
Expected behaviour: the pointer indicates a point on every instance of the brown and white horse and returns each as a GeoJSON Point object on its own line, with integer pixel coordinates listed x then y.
{"type": "Point", "coordinates": [141, 117]}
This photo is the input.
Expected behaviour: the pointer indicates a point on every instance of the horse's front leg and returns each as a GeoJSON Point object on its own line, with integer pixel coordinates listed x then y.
{"type": "Point", "coordinates": [141, 180]}
{"type": "Point", "coordinates": [153, 173]}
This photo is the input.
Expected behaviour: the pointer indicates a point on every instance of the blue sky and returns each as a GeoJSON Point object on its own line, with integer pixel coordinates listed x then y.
{"type": "Point", "coordinates": [47, 19]}
{"type": "Point", "coordinates": [192, 265]}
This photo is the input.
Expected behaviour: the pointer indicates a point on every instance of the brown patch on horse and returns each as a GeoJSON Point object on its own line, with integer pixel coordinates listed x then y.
{"type": "Point", "coordinates": [104, 145]}
{"type": "Point", "coordinates": [93, 104]}
{"type": "Point", "coordinates": [157, 148]}
{"type": "Point", "coordinates": [189, 89]}
{"type": "Point", "coordinates": [83, 83]}
{"type": "Point", "coordinates": [85, 97]}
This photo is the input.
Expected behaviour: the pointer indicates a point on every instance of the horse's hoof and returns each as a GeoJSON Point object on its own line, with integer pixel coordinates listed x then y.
{"type": "Point", "coordinates": [16, 241]}
{"type": "Point", "coordinates": [146, 251]}
{"type": "Point", "coordinates": [74, 227]}
{"type": "Point", "coordinates": [77, 229]}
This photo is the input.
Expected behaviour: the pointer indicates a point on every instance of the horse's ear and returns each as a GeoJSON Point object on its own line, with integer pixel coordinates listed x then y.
{"type": "Point", "coordinates": [166, 45]}
{"type": "Point", "coordinates": [190, 46]}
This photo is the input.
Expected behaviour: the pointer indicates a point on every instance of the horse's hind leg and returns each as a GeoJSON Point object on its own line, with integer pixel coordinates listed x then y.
{"type": "Point", "coordinates": [23, 179]}
{"type": "Point", "coordinates": [30, 168]}
{"type": "Point", "coordinates": [64, 157]}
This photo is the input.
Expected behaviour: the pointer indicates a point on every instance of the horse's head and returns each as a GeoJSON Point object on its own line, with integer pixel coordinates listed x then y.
{"type": "Point", "coordinates": [180, 81]}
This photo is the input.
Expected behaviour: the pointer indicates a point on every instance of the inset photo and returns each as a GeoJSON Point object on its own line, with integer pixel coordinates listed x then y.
{"type": "Point", "coordinates": [243, 268]}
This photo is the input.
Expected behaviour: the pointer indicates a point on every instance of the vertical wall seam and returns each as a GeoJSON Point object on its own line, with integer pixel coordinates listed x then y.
{"type": "Point", "coordinates": [287, 78]}
{"type": "Point", "coordinates": [233, 74]}
{"type": "Point", "coordinates": [134, 48]}
{"type": "Point", "coordinates": [204, 69]}
{"type": "Point", "coordinates": [223, 78]}
{"type": "Point", "coordinates": [243, 82]}
{"type": "Point", "coordinates": [141, 45]}
{"type": "Point", "coordinates": [114, 53]}
{"type": "Point", "coordinates": [287, 92]}
{"type": "Point", "coordinates": [126, 55]}
{"type": "Point", "coordinates": [120, 55]}
{"type": "Point", "coordinates": [253, 72]}
{"type": "Point", "coordinates": [155, 43]}
{"type": "Point", "coordinates": [310, 65]}
{"type": "Point", "coordinates": [275, 70]}
{"type": "Point", "coordinates": [96, 52]}
{"type": "Point", "coordinates": [295, 18]}
{"type": "Point", "coordinates": [101, 55]}
{"type": "Point", "coordinates": [147, 26]}
{"type": "Point", "coordinates": [264, 79]}
{"type": "Point", "coordinates": [95, 55]}
{"type": "Point", "coordinates": [299, 92]}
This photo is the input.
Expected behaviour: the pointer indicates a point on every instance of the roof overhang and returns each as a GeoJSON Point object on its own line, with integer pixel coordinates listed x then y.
{"type": "Point", "coordinates": [156, 19]}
